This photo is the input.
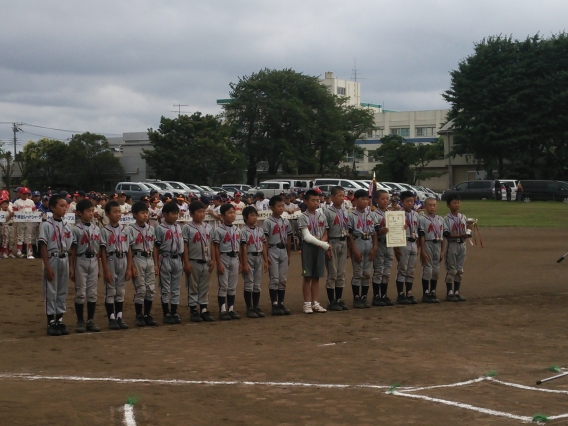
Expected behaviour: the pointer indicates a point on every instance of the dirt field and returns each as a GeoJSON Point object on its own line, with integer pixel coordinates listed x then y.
{"type": "Point", "coordinates": [514, 322]}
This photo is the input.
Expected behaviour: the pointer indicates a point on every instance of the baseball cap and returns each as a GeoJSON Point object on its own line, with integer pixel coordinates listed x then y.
{"type": "Point", "coordinates": [68, 200]}
{"type": "Point", "coordinates": [121, 193]}
{"type": "Point", "coordinates": [82, 193]}
{"type": "Point", "coordinates": [259, 194]}
{"type": "Point", "coordinates": [318, 191]}
{"type": "Point", "coordinates": [18, 188]}
{"type": "Point", "coordinates": [63, 193]}
{"type": "Point", "coordinates": [45, 198]}
{"type": "Point", "coordinates": [205, 200]}
{"type": "Point", "coordinates": [237, 194]}
{"type": "Point", "coordinates": [217, 198]}
{"type": "Point", "coordinates": [36, 194]}
{"type": "Point", "coordinates": [350, 192]}
{"type": "Point", "coordinates": [144, 198]}
{"type": "Point", "coordinates": [168, 195]}
{"type": "Point", "coordinates": [287, 196]}
{"type": "Point", "coordinates": [24, 190]}
{"type": "Point", "coordinates": [154, 191]}
{"type": "Point", "coordinates": [154, 200]}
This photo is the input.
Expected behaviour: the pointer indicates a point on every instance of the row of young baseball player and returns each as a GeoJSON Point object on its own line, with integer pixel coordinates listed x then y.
{"type": "Point", "coordinates": [165, 253]}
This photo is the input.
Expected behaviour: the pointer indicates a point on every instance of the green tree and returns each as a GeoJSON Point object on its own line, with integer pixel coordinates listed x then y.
{"type": "Point", "coordinates": [425, 153]}
{"type": "Point", "coordinates": [44, 163]}
{"type": "Point", "coordinates": [291, 121]}
{"type": "Point", "coordinates": [6, 167]}
{"type": "Point", "coordinates": [508, 101]}
{"type": "Point", "coordinates": [194, 149]}
{"type": "Point", "coordinates": [91, 162]}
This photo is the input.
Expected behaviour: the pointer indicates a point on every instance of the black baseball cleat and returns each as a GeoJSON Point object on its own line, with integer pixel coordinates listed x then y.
{"type": "Point", "coordinates": [402, 300]}
{"type": "Point", "coordinates": [365, 301]}
{"type": "Point", "coordinates": [53, 330]}
{"type": "Point", "coordinates": [62, 328]}
{"type": "Point", "coordinates": [277, 311]}
{"type": "Point", "coordinates": [234, 315]}
{"type": "Point", "coordinates": [426, 298]}
{"type": "Point", "coordinates": [195, 317]}
{"type": "Point", "coordinates": [251, 313]}
{"type": "Point", "coordinates": [460, 297]}
{"type": "Point", "coordinates": [259, 313]}
{"type": "Point", "coordinates": [451, 298]}
{"type": "Point", "coordinates": [284, 309]}
{"type": "Point", "coordinates": [412, 300]}
{"type": "Point", "coordinates": [358, 303]}
{"type": "Point", "coordinates": [149, 320]}
{"type": "Point", "coordinates": [387, 301]}
{"type": "Point", "coordinates": [92, 327]}
{"type": "Point", "coordinates": [378, 301]}
{"type": "Point", "coordinates": [434, 298]}
{"type": "Point", "coordinates": [168, 319]}
{"type": "Point", "coordinates": [121, 324]}
{"type": "Point", "coordinates": [80, 327]}
{"type": "Point", "coordinates": [140, 321]}
{"type": "Point", "coordinates": [334, 306]}
{"type": "Point", "coordinates": [206, 316]}
{"type": "Point", "coordinates": [113, 324]}
{"type": "Point", "coordinates": [177, 318]}
{"type": "Point", "coordinates": [343, 305]}
{"type": "Point", "coordinates": [224, 316]}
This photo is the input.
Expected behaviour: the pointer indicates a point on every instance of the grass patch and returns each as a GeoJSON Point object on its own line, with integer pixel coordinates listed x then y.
{"type": "Point", "coordinates": [545, 214]}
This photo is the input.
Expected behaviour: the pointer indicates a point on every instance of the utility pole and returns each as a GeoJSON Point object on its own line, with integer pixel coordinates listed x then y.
{"type": "Point", "coordinates": [179, 108]}
{"type": "Point", "coordinates": [16, 129]}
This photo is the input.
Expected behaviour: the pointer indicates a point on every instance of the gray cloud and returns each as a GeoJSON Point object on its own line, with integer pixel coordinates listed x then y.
{"type": "Point", "coordinates": [113, 67]}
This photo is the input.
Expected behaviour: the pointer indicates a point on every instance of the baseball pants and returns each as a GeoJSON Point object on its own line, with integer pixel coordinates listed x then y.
{"type": "Point", "coordinates": [86, 278]}
{"type": "Point", "coordinates": [198, 283]}
{"type": "Point", "coordinates": [35, 232]}
{"type": "Point", "coordinates": [145, 281]}
{"type": "Point", "coordinates": [171, 271]}
{"type": "Point", "coordinates": [407, 262]}
{"type": "Point", "coordinates": [114, 290]}
{"type": "Point", "coordinates": [431, 268]}
{"type": "Point", "coordinates": [23, 231]}
{"type": "Point", "coordinates": [362, 271]}
{"type": "Point", "coordinates": [278, 268]}
{"type": "Point", "coordinates": [228, 280]}
{"type": "Point", "coordinates": [254, 277]}
{"type": "Point", "coordinates": [8, 240]}
{"type": "Point", "coordinates": [455, 258]}
{"type": "Point", "coordinates": [55, 291]}
{"type": "Point", "coordinates": [382, 263]}
{"type": "Point", "coordinates": [336, 265]}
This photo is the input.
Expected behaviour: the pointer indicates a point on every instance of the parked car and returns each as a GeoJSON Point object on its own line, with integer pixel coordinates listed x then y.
{"type": "Point", "coordinates": [346, 184]}
{"type": "Point", "coordinates": [544, 190]}
{"type": "Point", "coordinates": [133, 189]}
{"type": "Point", "coordinates": [426, 193]}
{"type": "Point", "coordinates": [271, 188]}
{"type": "Point", "coordinates": [241, 187]}
{"type": "Point", "coordinates": [182, 188]}
{"type": "Point", "coordinates": [198, 190]}
{"type": "Point", "coordinates": [296, 185]}
{"type": "Point", "coordinates": [164, 185]}
{"type": "Point", "coordinates": [156, 187]}
{"type": "Point", "coordinates": [394, 187]}
{"type": "Point", "coordinates": [472, 190]}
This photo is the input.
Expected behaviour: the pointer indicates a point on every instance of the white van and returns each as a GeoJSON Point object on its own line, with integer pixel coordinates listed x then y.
{"type": "Point", "coordinates": [272, 187]}
{"type": "Point", "coordinates": [295, 184]}
{"type": "Point", "coordinates": [346, 184]}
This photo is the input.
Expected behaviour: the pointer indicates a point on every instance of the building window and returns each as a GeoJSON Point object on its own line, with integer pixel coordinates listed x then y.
{"type": "Point", "coordinates": [352, 157]}
{"type": "Point", "coordinates": [425, 131]}
{"type": "Point", "coordinates": [401, 131]}
{"type": "Point", "coordinates": [341, 91]}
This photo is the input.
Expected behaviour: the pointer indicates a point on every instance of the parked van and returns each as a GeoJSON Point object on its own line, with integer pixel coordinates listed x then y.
{"type": "Point", "coordinates": [271, 188]}
{"type": "Point", "coordinates": [344, 183]}
{"type": "Point", "coordinates": [240, 186]}
{"type": "Point", "coordinates": [473, 190]}
{"type": "Point", "coordinates": [544, 190]}
{"type": "Point", "coordinates": [296, 185]}
{"type": "Point", "coordinates": [134, 189]}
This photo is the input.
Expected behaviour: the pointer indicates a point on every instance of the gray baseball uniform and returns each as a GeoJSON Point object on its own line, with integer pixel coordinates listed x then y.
{"type": "Point", "coordinates": [361, 226]}
{"type": "Point", "coordinates": [198, 238]}
{"type": "Point", "coordinates": [277, 231]}
{"type": "Point", "coordinates": [115, 241]}
{"type": "Point", "coordinates": [383, 258]}
{"type": "Point", "coordinates": [170, 240]}
{"type": "Point", "coordinates": [141, 241]}
{"type": "Point", "coordinates": [338, 221]}
{"type": "Point", "coordinates": [88, 240]}
{"type": "Point", "coordinates": [58, 238]}
{"type": "Point", "coordinates": [228, 238]}
{"type": "Point", "coordinates": [431, 228]}
{"type": "Point", "coordinates": [455, 249]}
{"type": "Point", "coordinates": [254, 240]}
{"type": "Point", "coordinates": [407, 261]}
{"type": "Point", "coordinates": [313, 257]}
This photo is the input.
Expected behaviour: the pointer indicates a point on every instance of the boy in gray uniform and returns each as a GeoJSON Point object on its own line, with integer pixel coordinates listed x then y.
{"type": "Point", "coordinates": [383, 258]}
{"type": "Point", "coordinates": [141, 237]}
{"type": "Point", "coordinates": [406, 256]}
{"type": "Point", "coordinates": [116, 264]}
{"type": "Point", "coordinates": [169, 244]}
{"type": "Point", "coordinates": [226, 239]}
{"type": "Point", "coordinates": [57, 253]}
{"type": "Point", "coordinates": [457, 233]}
{"type": "Point", "coordinates": [254, 255]}
{"type": "Point", "coordinates": [363, 243]}
{"type": "Point", "coordinates": [430, 231]}
{"type": "Point", "coordinates": [198, 262]}
{"type": "Point", "coordinates": [338, 221]}
{"type": "Point", "coordinates": [277, 231]}
{"type": "Point", "coordinates": [313, 226]}
{"type": "Point", "coordinates": [88, 238]}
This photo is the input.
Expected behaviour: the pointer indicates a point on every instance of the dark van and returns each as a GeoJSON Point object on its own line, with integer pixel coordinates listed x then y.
{"type": "Point", "coordinates": [544, 190]}
{"type": "Point", "coordinates": [472, 190]}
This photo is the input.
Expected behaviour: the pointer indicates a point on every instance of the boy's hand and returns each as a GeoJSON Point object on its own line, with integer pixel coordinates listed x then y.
{"type": "Point", "coordinates": [49, 273]}
{"type": "Point", "coordinates": [127, 275]}
{"type": "Point", "coordinates": [106, 276]}
{"type": "Point", "coordinates": [246, 269]}
{"type": "Point", "coordinates": [329, 253]}
{"type": "Point", "coordinates": [220, 269]}
{"type": "Point", "coordinates": [157, 269]}
{"type": "Point", "coordinates": [211, 266]}
{"type": "Point", "coordinates": [240, 271]}
{"type": "Point", "coordinates": [72, 274]}
{"type": "Point", "coordinates": [372, 254]}
{"type": "Point", "coordinates": [265, 266]}
{"type": "Point", "coordinates": [357, 256]}
{"type": "Point", "coordinates": [424, 257]}
{"type": "Point", "coordinates": [187, 267]}
{"type": "Point", "coordinates": [441, 255]}
{"type": "Point", "coordinates": [134, 272]}
{"type": "Point", "coordinates": [384, 231]}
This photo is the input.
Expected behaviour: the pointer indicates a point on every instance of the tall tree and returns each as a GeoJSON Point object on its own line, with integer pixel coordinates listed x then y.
{"type": "Point", "coordinates": [6, 167]}
{"type": "Point", "coordinates": [44, 163]}
{"type": "Point", "coordinates": [194, 149]}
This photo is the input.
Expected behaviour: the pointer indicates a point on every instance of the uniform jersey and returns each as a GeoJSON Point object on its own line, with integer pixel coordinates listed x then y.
{"type": "Point", "coordinates": [361, 223]}
{"type": "Point", "coordinates": [455, 225]}
{"type": "Point", "coordinates": [198, 238]}
{"type": "Point", "coordinates": [88, 238]}
{"type": "Point", "coordinates": [125, 208]}
{"type": "Point", "coordinates": [254, 238]}
{"type": "Point", "coordinates": [141, 238]}
{"type": "Point", "coordinates": [169, 238]}
{"type": "Point", "coordinates": [262, 205]}
{"type": "Point", "coordinates": [291, 208]}
{"type": "Point", "coordinates": [379, 221]}
{"type": "Point", "coordinates": [23, 206]}
{"type": "Point", "coordinates": [411, 224]}
{"type": "Point", "coordinates": [276, 230]}
{"type": "Point", "coordinates": [114, 239]}
{"type": "Point", "coordinates": [56, 235]}
{"type": "Point", "coordinates": [315, 223]}
{"type": "Point", "coordinates": [431, 227]}
{"type": "Point", "coordinates": [337, 220]}
{"type": "Point", "coordinates": [228, 237]}
{"type": "Point", "coordinates": [238, 206]}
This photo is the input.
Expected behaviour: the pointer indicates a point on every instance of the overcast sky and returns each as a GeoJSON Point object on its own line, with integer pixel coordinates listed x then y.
{"type": "Point", "coordinates": [118, 66]}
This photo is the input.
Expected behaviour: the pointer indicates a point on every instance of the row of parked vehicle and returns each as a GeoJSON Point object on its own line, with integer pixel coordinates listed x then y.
{"type": "Point", "coordinates": [528, 190]}
{"type": "Point", "coordinates": [143, 189]}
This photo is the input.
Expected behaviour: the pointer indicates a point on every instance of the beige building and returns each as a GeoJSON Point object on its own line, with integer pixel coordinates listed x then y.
{"type": "Point", "coordinates": [128, 149]}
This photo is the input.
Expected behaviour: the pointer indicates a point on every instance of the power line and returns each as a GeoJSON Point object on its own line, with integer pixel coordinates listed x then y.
{"type": "Point", "coordinates": [60, 130]}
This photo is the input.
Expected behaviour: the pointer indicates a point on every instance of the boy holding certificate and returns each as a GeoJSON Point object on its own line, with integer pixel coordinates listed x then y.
{"type": "Point", "coordinates": [406, 255]}
{"type": "Point", "coordinates": [384, 255]}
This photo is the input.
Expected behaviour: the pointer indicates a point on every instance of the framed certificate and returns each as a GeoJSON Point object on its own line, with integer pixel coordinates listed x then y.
{"type": "Point", "coordinates": [395, 221]}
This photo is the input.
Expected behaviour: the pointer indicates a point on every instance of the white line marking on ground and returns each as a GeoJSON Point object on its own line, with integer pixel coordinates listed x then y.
{"type": "Point", "coordinates": [129, 415]}
{"type": "Point", "coordinates": [331, 344]}
{"type": "Point", "coordinates": [515, 385]}
{"type": "Point", "coordinates": [451, 385]}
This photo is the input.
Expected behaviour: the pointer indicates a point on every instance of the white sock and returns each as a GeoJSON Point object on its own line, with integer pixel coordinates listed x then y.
{"type": "Point", "coordinates": [119, 315]}
{"type": "Point", "coordinates": [204, 310]}
{"type": "Point", "coordinates": [230, 309]}
{"type": "Point", "coordinates": [307, 303]}
{"type": "Point", "coordinates": [450, 292]}
{"type": "Point", "coordinates": [112, 316]}
{"type": "Point", "coordinates": [223, 308]}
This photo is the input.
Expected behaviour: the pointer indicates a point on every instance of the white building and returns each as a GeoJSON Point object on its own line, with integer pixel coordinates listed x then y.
{"type": "Point", "coordinates": [128, 150]}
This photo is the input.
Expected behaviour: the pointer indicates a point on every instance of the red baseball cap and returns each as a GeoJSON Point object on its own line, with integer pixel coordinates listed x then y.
{"type": "Point", "coordinates": [24, 190]}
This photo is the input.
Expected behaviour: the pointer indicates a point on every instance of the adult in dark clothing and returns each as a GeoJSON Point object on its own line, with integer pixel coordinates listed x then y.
{"type": "Point", "coordinates": [498, 195]}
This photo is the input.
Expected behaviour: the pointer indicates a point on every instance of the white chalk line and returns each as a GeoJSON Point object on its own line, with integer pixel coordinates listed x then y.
{"type": "Point", "coordinates": [451, 385]}
{"type": "Point", "coordinates": [332, 344]}
{"type": "Point", "coordinates": [129, 415]}
{"type": "Point", "coordinates": [532, 388]}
